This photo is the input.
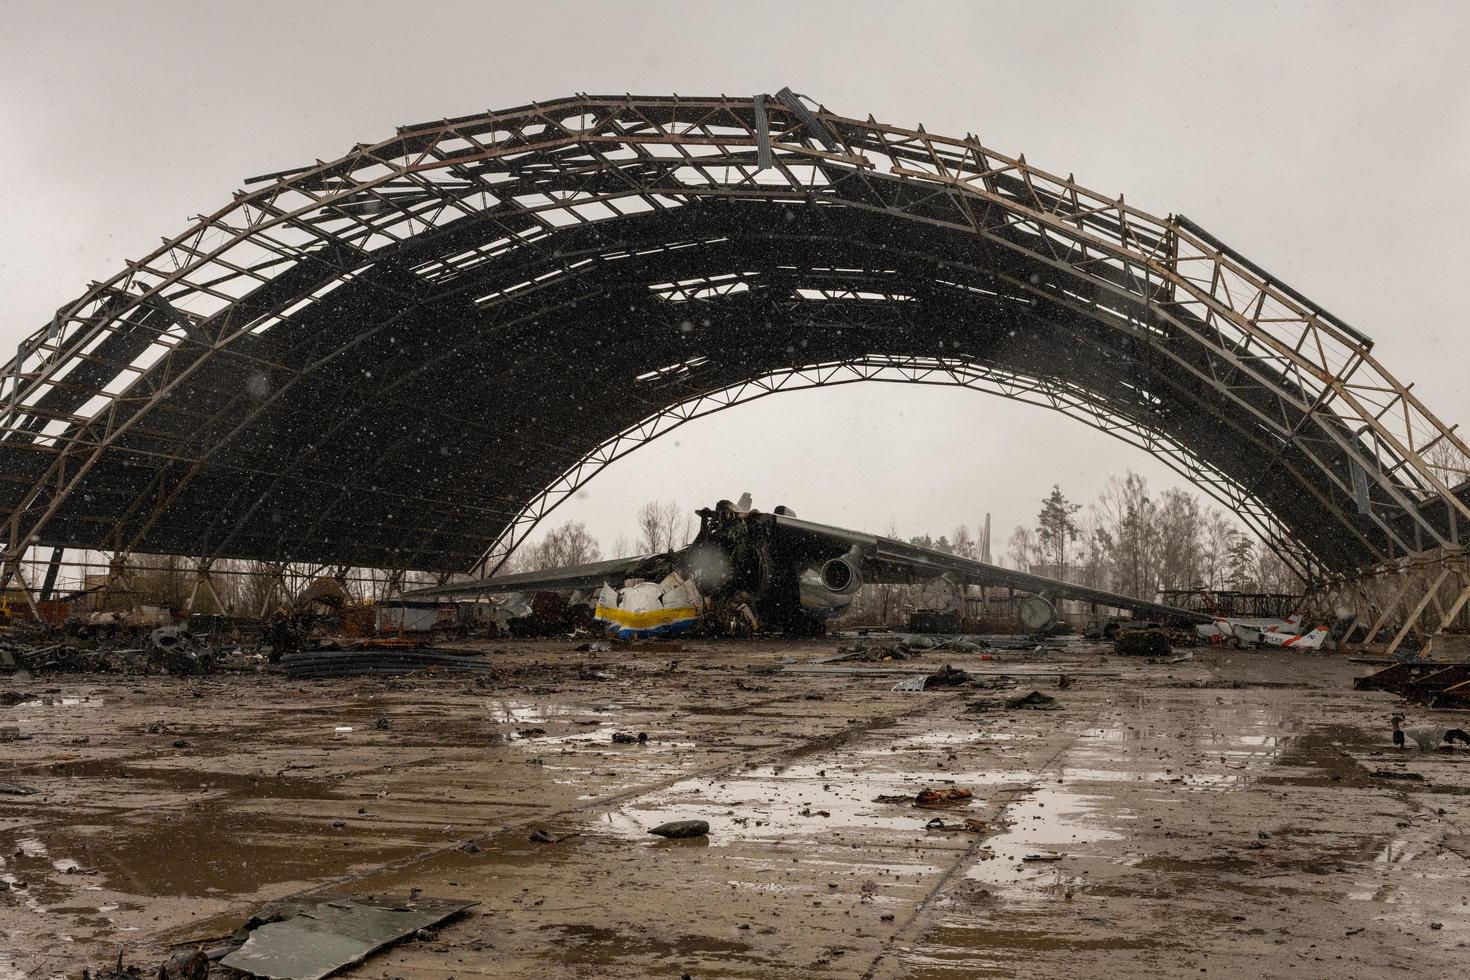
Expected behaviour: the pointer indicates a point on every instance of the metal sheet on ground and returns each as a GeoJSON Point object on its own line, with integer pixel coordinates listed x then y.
{"type": "Point", "coordinates": [319, 940]}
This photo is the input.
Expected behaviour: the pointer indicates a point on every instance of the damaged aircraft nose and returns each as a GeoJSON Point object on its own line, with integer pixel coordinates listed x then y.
{"type": "Point", "coordinates": [709, 566]}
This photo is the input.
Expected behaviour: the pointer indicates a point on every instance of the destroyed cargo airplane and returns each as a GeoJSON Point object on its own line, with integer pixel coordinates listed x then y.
{"type": "Point", "coordinates": [749, 571]}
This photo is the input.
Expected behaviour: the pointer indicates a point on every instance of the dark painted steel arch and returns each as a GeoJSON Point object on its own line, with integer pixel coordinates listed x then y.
{"type": "Point", "coordinates": [404, 357]}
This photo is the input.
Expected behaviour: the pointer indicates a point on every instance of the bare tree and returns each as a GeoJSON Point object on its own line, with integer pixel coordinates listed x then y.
{"type": "Point", "coordinates": [569, 544]}
{"type": "Point", "coordinates": [1179, 523]}
{"type": "Point", "coordinates": [964, 543]}
{"type": "Point", "coordinates": [1022, 549]}
{"type": "Point", "coordinates": [262, 591]}
{"type": "Point", "coordinates": [1273, 574]}
{"type": "Point", "coordinates": [662, 527]}
{"type": "Point", "coordinates": [1127, 527]}
{"type": "Point", "coordinates": [1094, 554]}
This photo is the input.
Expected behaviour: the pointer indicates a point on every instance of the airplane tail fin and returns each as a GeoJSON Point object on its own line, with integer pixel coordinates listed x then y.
{"type": "Point", "coordinates": [1311, 640]}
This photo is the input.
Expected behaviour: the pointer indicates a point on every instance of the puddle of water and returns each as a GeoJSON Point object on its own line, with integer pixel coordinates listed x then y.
{"type": "Point", "coordinates": [586, 945]}
{"type": "Point", "coordinates": [32, 848]}
{"type": "Point", "coordinates": [955, 951]}
{"type": "Point", "coordinates": [794, 802]}
{"type": "Point", "coordinates": [64, 702]}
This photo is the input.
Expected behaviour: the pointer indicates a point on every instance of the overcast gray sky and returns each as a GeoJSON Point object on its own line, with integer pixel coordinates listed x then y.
{"type": "Point", "coordinates": [1329, 142]}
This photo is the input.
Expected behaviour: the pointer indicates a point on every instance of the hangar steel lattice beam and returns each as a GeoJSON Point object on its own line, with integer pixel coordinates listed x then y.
{"type": "Point", "coordinates": [402, 358]}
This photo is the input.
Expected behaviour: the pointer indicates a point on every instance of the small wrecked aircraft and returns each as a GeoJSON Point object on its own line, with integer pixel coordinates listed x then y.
{"type": "Point", "coordinates": [1290, 632]}
{"type": "Point", "coordinates": [748, 571]}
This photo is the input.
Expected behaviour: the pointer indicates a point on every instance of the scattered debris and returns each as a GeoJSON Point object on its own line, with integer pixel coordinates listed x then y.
{"type": "Point", "coordinates": [681, 829]}
{"type": "Point", "coordinates": [1036, 701]}
{"type": "Point", "coordinates": [1433, 684]}
{"type": "Point", "coordinates": [948, 676]}
{"type": "Point", "coordinates": [1142, 643]}
{"type": "Point", "coordinates": [623, 738]}
{"type": "Point", "coordinates": [190, 964]}
{"type": "Point", "coordinates": [970, 825]}
{"type": "Point", "coordinates": [311, 941]}
{"type": "Point", "coordinates": [530, 732]}
{"type": "Point", "coordinates": [177, 651]}
{"type": "Point", "coordinates": [949, 796]}
{"type": "Point", "coordinates": [881, 652]}
{"type": "Point", "coordinates": [1395, 774]}
{"type": "Point", "coordinates": [945, 676]}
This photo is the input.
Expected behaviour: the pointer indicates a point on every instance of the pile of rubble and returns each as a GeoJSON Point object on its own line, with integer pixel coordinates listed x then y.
{"type": "Point", "coordinates": [166, 650]}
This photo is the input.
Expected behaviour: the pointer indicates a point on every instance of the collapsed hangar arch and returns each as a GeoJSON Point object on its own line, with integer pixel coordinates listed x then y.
{"type": "Point", "coordinates": [401, 358]}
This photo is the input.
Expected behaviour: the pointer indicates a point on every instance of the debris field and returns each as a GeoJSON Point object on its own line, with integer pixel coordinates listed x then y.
{"type": "Point", "coordinates": [1239, 814]}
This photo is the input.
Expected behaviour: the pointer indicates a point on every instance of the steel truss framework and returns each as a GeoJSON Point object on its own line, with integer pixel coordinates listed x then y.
{"type": "Point", "coordinates": [405, 357]}
{"type": "Point", "coordinates": [1417, 598]}
{"type": "Point", "coordinates": [1059, 396]}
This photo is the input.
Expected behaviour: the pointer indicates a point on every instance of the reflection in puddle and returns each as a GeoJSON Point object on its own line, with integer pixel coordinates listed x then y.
{"type": "Point", "coordinates": [801, 802]}
{"type": "Point", "coordinates": [1052, 820]}
{"type": "Point", "coordinates": [32, 848]}
{"type": "Point", "coordinates": [64, 702]}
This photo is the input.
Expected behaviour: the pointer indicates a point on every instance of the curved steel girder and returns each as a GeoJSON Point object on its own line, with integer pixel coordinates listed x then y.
{"type": "Point", "coordinates": [1075, 402]}
{"type": "Point", "coordinates": [399, 191]}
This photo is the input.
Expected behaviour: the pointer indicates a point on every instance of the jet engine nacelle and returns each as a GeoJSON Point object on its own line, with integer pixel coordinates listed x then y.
{"type": "Point", "coordinates": [827, 589]}
{"type": "Point", "coordinates": [841, 576]}
{"type": "Point", "coordinates": [1035, 613]}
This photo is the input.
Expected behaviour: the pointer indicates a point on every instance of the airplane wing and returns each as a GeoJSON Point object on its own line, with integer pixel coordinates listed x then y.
{"type": "Point", "coordinates": [567, 578]}
{"type": "Point", "coordinates": [890, 560]}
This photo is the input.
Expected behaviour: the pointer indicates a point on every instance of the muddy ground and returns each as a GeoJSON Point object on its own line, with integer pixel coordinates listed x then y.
{"type": "Point", "coordinates": [1214, 817]}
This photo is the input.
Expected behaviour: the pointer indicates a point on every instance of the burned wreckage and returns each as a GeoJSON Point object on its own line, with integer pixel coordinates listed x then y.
{"type": "Point", "coordinates": [747, 571]}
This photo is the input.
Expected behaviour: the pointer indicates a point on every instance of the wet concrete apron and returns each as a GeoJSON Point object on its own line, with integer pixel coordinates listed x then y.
{"type": "Point", "coordinates": [1182, 829]}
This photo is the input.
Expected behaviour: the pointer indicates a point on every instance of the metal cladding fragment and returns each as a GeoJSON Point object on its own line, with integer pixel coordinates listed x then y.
{"type": "Point", "coordinates": [313, 941]}
{"type": "Point", "coordinates": [679, 829]}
